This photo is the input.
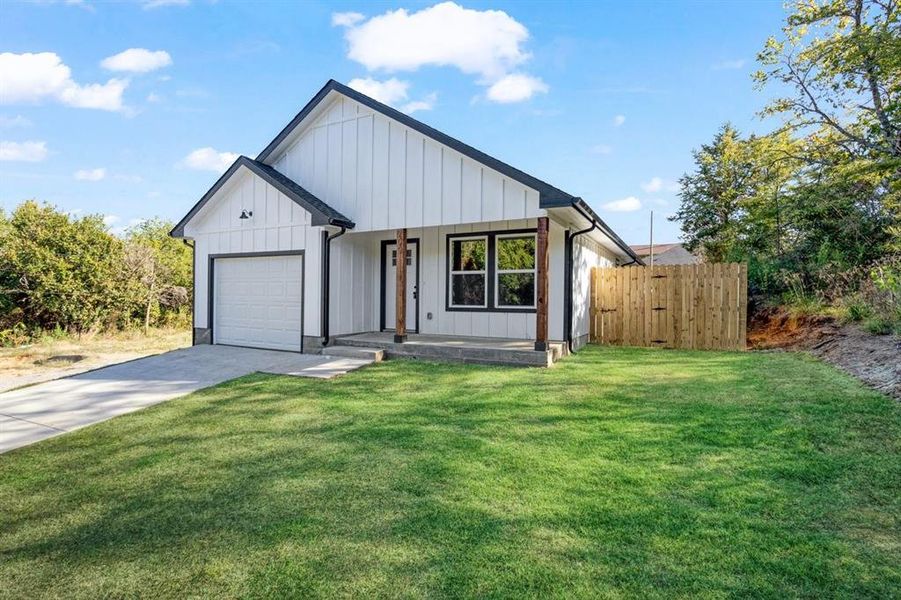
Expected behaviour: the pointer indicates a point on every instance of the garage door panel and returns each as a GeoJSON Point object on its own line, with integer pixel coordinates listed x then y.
{"type": "Point", "coordinates": [257, 301]}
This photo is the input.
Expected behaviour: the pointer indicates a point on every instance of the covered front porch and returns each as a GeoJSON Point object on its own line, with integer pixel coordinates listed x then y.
{"type": "Point", "coordinates": [482, 350]}
{"type": "Point", "coordinates": [474, 274]}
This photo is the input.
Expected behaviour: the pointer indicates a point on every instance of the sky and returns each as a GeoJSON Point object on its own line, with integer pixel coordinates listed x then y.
{"type": "Point", "coordinates": [133, 109]}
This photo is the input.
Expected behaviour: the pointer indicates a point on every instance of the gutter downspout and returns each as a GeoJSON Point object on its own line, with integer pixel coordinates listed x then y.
{"type": "Point", "coordinates": [568, 333]}
{"type": "Point", "coordinates": [326, 271]}
{"type": "Point", "coordinates": [193, 287]}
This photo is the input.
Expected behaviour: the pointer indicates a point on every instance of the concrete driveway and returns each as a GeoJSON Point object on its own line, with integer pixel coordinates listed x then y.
{"type": "Point", "coordinates": [44, 410]}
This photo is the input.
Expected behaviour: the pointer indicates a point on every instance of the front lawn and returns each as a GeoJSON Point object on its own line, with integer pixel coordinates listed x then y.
{"type": "Point", "coordinates": [619, 473]}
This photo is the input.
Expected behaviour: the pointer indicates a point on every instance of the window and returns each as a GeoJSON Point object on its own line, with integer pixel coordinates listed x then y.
{"type": "Point", "coordinates": [468, 272]}
{"type": "Point", "coordinates": [515, 271]}
{"type": "Point", "coordinates": [492, 271]}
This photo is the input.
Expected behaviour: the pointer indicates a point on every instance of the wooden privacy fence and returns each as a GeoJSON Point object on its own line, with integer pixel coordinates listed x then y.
{"type": "Point", "coordinates": [671, 306]}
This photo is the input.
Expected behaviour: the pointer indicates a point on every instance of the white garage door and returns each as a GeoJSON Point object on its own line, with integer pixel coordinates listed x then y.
{"type": "Point", "coordinates": [258, 301]}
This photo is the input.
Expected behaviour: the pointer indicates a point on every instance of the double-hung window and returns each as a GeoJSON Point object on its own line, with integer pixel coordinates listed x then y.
{"type": "Point", "coordinates": [492, 272]}
{"type": "Point", "coordinates": [514, 271]}
{"type": "Point", "coordinates": [469, 272]}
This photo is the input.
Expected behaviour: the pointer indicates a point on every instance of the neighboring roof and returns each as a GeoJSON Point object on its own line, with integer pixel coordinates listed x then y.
{"type": "Point", "coordinates": [645, 249]}
{"type": "Point", "coordinates": [668, 254]}
{"type": "Point", "coordinates": [322, 213]}
{"type": "Point", "coordinates": [548, 195]}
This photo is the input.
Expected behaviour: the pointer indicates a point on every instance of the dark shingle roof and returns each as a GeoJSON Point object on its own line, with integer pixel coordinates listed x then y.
{"type": "Point", "coordinates": [322, 213]}
{"type": "Point", "coordinates": [548, 195]}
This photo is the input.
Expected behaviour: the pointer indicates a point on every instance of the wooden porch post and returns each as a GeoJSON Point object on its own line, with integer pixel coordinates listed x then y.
{"type": "Point", "coordinates": [541, 286]}
{"type": "Point", "coordinates": [400, 327]}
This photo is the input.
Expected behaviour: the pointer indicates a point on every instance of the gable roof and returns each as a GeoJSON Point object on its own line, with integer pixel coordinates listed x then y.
{"type": "Point", "coordinates": [322, 213]}
{"type": "Point", "coordinates": [548, 195]}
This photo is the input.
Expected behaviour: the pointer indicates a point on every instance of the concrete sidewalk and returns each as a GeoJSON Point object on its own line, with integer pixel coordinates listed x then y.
{"type": "Point", "coordinates": [30, 414]}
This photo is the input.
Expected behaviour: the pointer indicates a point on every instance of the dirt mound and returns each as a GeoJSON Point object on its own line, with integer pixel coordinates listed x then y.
{"type": "Point", "coordinates": [874, 359]}
{"type": "Point", "coordinates": [778, 328]}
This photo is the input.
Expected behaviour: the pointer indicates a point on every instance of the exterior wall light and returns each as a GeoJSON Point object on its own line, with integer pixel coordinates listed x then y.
{"type": "Point", "coordinates": [246, 214]}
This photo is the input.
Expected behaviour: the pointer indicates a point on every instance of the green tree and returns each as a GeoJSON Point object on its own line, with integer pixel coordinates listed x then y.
{"type": "Point", "coordinates": [161, 267]}
{"type": "Point", "coordinates": [59, 272]}
{"type": "Point", "coordinates": [712, 195]}
{"type": "Point", "coordinates": [841, 62]}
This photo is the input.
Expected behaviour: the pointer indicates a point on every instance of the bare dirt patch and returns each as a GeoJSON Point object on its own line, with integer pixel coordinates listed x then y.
{"type": "Point", "coordinates": [874, 359]}
{"type": "Point", "coordinates": [55, 358]}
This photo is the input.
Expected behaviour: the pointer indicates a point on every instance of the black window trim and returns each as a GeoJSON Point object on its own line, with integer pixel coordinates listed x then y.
{"type": "Point", "coordinates": [533, 270]}
{"type": "Point", "coordinates": [491, 271]}
{"type": "Point", "coordinates": [485, 273]}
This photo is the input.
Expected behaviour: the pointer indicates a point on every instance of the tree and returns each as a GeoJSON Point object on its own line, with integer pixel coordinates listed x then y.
{"type": "Point", "coordinates": [712, 196]}
{"type": "Point", "coordinates": [160, 265]}
{"type": "Point", "coordinates": [842, 61]}
{"type": "Point", "coordinates": [59, 272]}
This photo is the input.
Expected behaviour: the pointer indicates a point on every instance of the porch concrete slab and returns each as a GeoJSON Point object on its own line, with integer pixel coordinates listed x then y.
{"type": "Point", "coordinates": [47, 409]}
{"type": "Point", "coordinates": [481, 350]}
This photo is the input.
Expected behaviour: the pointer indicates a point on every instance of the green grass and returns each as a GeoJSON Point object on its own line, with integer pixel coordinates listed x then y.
{"type": "Point", "coordinates": [618, 473]}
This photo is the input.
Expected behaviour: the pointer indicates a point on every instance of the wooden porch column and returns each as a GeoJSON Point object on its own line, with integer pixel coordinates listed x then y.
{"type": "Point", "coordinates": [400, 310]}
{"type": "Point", "coordinates": [541, 286]}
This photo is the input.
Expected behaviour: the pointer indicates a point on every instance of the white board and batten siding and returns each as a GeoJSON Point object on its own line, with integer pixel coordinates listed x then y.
{"type": "Point", "coordinates": [278, 224]}
{"type": "Point", "coordinates": [356, 291]}
{"type": "Point", "coordinates": [385, 175]}
{"type": "Point", "coordinates": [587, 254]}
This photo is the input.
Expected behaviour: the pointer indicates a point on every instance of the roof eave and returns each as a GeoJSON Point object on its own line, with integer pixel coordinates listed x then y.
{"type": "Point", "coordinates": [317, 216]}
{"type": "Point", "coordinates": [582, 207]}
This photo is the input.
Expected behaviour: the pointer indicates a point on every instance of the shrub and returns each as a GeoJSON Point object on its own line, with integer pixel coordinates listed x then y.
{"type": "Point", "coordinates": [63, 274]}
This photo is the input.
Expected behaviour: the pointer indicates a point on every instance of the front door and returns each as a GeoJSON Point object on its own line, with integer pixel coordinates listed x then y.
{"type": "Point", "coordinates": [389, 298]}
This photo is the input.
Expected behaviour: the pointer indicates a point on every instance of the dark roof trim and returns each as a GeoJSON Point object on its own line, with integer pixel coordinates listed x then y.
{"type": "Point", "coordinates": [548, 195]}
{"type": "Point", "coordinates": [322, 213]}
{"type": "Point", "coordinates": [586, 211]}
{"type": "Point", "coordinates": [545, 190]}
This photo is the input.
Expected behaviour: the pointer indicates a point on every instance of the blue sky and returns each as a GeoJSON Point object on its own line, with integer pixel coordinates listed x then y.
{"type": "Point", "coordinates": [604, 100]}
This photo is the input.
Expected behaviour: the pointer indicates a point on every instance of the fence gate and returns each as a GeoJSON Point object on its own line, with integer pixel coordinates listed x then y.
{"type": "Point", "coordinates": [671, 306]}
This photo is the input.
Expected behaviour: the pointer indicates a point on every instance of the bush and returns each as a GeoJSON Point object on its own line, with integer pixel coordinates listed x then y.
{"type": "Point", "coordinates": [68, 275]}
{"type": "Point", "coordinates": [855, 309]}
{"type": "Point", "coordinates": [879, 326]}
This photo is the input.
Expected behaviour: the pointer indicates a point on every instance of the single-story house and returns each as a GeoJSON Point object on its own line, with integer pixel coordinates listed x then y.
{"type": "Point", "coordinates": [666, 254]}
{"type": "Point", "coordinates": [354, 201]}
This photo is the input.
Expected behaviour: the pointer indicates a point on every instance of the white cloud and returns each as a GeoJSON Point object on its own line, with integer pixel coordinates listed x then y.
{"type": "Point", "coordinates": [346, 19]}
{"type": "Point", "coordinates": [110, 220]}
{"type": "Point", "coordinates": [23, 151]}
{"type": "Point", "coordinates": [31, 78]}
{"type": "Point", "coordinates": [209, 159]}
{"type": "Point", "coordinates": [629, 204]}
{"type": "Point", "coordinates": [728, 65]}
{"type": "Point", "coordinates": [153, 97]}
{"type": "Point", "coordinates": [427, 103]}
{"type": "Point", "coordinates": [487, 43]}
{"type": "Point", "coordinates": [151, 4]}
{"type": "Point", "coordinates": [393, 92]}
{"type": "Point", "coordinates": [107, 96]}
{"type": "Point", "coordinates": [602, 149]}
{"type": "Point", "coordinates": [390, 91]}
{"type": "Point", "coordinates": [137, 60]}
{"type": "Point", "coordinates": [619, 120]}
{"type": "Point", "coordinates": [90, 174]}
{"type": "Point", "coordinates": [17, 121]}
{"type": "Point", "coordinates": [515, 87]}
{"type": "Point", "coordinates": [657, 184]}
